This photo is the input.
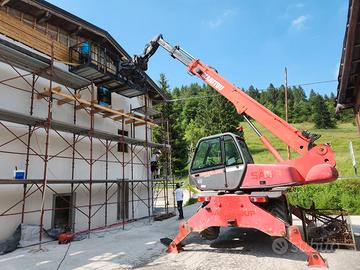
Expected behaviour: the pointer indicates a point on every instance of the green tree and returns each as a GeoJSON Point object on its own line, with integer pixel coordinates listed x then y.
{"type": "Point", "coordinates": [171, 111]}
{"type": "Point", "coordinates": [253, 92]}
{"type": "Point", "coordinates": [322, 115]}
{"type": "Point", "coordinates": [300, 110]}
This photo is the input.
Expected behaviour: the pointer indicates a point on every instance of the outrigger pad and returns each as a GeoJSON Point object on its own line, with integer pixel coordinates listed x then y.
{"type": "Point", "coordinates": [166, 241]}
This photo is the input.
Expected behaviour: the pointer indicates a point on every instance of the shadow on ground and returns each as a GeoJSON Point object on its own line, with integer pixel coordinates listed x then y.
{"type": "Point", "coordinates": [244, 241]}
{"type": "Point", "coordinates": [235, 241]}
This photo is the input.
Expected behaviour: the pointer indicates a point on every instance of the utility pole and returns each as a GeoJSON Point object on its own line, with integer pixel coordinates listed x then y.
{"type": "Point", "coordinates": [286, 109]}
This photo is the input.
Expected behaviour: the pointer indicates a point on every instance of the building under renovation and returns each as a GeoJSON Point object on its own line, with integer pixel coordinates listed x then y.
{"type": "Point", "coordinates": [76, 124]}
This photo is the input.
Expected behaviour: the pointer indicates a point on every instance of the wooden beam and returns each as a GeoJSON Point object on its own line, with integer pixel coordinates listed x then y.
{"type": "Point", "coordinates": [139, 116]}
{"type": "Point", "coordinates": [118, 117]}
{"type": "Point", "coordinates": [47, 92]}
{"type": "Point", "coordinates": [101, 109]}
{"type": "Point", "coordinates": [109, 114]}
{"type": "Point", "coordinates": [104, 109]}
{"type": "Point", "coordinates": [81, 106]}
{"type": "Point", "coordinates": [130, 121]}
{"type": "Point", "coordinates": [67, 100]}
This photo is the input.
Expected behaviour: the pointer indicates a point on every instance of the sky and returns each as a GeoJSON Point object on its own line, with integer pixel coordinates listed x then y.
{"type": "Point", "coordinates": [249, 42]}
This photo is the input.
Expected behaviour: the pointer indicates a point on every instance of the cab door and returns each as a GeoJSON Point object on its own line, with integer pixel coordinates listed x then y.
{"type": "Point", "coordinates": [207, 169]}
{"type": "Point", "coordinates": [234, 163]}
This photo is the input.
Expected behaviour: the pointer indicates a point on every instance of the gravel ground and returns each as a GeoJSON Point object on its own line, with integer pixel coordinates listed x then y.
{"type": "Point", "coordinates": [138, 247]}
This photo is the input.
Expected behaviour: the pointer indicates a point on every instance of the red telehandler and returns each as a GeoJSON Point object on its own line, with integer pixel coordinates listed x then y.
{"type": "Point", "coordinates": [237, 192]}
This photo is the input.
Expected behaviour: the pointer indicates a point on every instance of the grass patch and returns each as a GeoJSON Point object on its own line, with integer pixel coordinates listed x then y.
{"type": "Point", "coordinates": [339, 139]}
{"type": "Point", "coordinates": [343, 194]}
{"type": "Point", "coordinates": [191, 201]}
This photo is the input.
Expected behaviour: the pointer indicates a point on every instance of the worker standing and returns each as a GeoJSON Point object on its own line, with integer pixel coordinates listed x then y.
{"type": "Point", "coordinates": [179, 196]}
{"type": "Point", "coordinates": [84, 51]}
{"type": "Point", "coordinates": [154, 164]}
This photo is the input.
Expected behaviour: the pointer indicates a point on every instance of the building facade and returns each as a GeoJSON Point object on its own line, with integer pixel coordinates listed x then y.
{"type": "Point", "coordinates": [75, 122]}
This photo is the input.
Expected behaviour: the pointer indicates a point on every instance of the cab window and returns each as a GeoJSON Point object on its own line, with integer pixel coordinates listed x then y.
{"type": "Point", "coordinates": [245, 151]}
{"type": "Point", "coordinates": [232, 154]}
{"type": "Point", "coordinates": [207, 155]}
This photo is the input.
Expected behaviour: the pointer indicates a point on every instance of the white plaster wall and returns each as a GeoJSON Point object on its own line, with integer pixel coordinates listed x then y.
{"type": "Point", "coordinates": [60, 168]}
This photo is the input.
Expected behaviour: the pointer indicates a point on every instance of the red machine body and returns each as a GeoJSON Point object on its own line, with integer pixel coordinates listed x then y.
{"type": "Point", "coordinates": [239, 211]}
{"type": "Point", "coordinates": [316, 163]}
{"type": "Point", "coordinates": [262, 186]}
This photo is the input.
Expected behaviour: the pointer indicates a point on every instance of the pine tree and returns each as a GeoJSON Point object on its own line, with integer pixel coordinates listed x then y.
{"type": "Point", "coordinates": [171, 111]}
{"type": "Point", "coordinates": [253, 92]}
{"type": "Point", "coordinates": [322, 115]}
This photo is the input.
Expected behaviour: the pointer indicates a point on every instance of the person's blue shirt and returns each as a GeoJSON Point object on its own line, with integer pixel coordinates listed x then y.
{"type": "Point", "coordinates": [85, 48]}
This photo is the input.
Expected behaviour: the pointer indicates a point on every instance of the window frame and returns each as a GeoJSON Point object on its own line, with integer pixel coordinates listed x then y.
{"type": "Point", "coordinates": [217, 166]}
{"type": "Point", "coordinates": [246, 148]}
{"type": "Point", "coordinates": [235, 143]}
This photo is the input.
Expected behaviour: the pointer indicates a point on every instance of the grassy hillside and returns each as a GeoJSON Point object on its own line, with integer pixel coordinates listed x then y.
{"type": "Point", "coordinates": [343, 193]}
{"type": "Point", "coordinates": [338, 138]}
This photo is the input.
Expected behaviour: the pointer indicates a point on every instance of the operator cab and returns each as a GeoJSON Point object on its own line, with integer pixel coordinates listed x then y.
{"type": "Point", "coordinates": [219, 162]}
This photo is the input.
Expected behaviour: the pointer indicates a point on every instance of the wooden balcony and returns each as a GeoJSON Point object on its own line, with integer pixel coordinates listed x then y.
{"type": "Point", "coordinates": [19, 31]}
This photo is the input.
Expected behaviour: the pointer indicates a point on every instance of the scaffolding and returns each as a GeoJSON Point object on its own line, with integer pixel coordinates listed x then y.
{"type": "Point", "coordinates": [37, 66]}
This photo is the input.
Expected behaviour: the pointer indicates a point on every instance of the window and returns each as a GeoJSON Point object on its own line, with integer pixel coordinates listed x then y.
{"type": "Point", "coordinates": [122, 147]}
{"type": "Point", "coordinates": [103, 96]}
{"type": "Point", "coordinates": [207, 155]}
{"type": "Point", "coordinates": [232, 154]}
{"type": "Point", "coordinates": [245, 151]}
{"type": "Point", "coordinates": [28, 19]}
{"type": "Point", "coordinates": [63, 37]}
{"type": "Point", "coordinates": [52, 31]}
{"type": "Point", "coordinates": [72, 41]}
{"type": "Point", "coordinates": [15, 13]}
{"type": "Point", "coordinates": [63, 214]}
{"type": "Point", "coordinates": [41, 27]}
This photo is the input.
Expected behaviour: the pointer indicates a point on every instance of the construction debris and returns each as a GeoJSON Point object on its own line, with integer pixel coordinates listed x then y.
{"type": "Point", "coordinates": [162, 216]}
{"type": "Point", "coordinates": [326, 228]}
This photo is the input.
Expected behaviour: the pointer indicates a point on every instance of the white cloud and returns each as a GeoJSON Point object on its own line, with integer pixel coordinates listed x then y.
{"type": "Point", "coordinates": [216, 23]}
{"type": "Point", "coordinates": [221, 19]}
{"type": "Point", "coordinates": [299, 22]}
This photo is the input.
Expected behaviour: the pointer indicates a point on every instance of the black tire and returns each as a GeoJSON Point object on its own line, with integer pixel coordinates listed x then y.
{"type": "Point", "coordinates": [210, 233]}
{"type": "Point", "coordinates": [279, 208]}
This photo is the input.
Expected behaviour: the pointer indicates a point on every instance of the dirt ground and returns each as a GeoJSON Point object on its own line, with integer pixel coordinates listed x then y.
{"type": "Point", "coordinates": [138, 247]}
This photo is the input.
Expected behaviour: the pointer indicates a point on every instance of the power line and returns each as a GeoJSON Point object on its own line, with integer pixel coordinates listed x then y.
{"type": "Point", "coordinates": [311, 83]}
{"type": "Point", "coordinates": [191, 97]}
{"type": "Point", "coordinates": [293, 85]}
